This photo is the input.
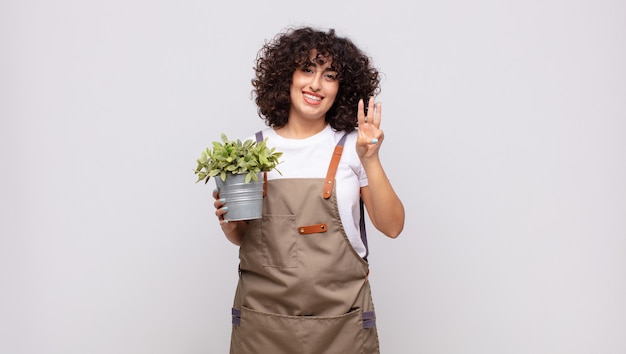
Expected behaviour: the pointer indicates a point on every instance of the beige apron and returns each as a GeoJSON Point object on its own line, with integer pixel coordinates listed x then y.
{"type": "Point", "coordinates": [302, 288]}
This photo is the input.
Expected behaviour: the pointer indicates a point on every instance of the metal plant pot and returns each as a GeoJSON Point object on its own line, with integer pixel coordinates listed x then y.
{"type": "Point", "coordinates": [244, 200]}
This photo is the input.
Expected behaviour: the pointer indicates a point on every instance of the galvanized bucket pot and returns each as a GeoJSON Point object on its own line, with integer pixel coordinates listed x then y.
{"type": "Point", "coordinates": [244, 200]}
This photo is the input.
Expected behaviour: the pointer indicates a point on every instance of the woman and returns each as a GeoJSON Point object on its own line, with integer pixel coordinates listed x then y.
{"type": "Point", "coordinates": [303, 284]}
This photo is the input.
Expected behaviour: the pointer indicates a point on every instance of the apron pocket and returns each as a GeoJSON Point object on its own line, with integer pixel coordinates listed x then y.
{"type": "Point", "coordinates": [279, 241]}
{"type": "Point", "coordinates": [261, 332]}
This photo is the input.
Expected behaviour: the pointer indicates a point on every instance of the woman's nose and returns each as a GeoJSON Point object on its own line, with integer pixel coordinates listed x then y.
{"type": "Point", "coordinates": [315, 83]}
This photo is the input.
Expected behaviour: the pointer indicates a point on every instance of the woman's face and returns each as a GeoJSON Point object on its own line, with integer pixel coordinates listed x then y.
{"type": "Point", "coordinates": [313, 89]}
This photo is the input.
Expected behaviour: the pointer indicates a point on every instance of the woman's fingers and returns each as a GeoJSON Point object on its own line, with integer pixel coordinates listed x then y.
{"type": "Point", "coordinates": [220, 207]}
{"type": "Point", "coordinates": [378, 114]}
{"type": "Point", "coordinates": [372, 115]}
{"type": "Point", "coordinates": [369, 118]}
{"type": "Point", "coordinates": [360, 115]}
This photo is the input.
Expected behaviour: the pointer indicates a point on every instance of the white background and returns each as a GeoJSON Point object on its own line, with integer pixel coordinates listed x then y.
{"type": "Point", "coordinates": [505, 132]}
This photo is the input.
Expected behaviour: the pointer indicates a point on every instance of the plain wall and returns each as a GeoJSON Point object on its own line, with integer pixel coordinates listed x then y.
{"type": "Point", "coordinates": [505, 132]}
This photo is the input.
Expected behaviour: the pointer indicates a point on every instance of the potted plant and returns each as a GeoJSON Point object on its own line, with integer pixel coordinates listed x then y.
{"type": "Point", "coordinates": [237, 167]}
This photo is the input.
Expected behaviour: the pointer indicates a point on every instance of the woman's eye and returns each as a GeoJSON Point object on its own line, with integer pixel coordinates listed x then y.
{"type": "Point", "coordinates": [331, 76]}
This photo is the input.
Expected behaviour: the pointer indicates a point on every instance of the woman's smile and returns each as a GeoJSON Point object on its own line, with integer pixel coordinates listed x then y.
{"type": "Point", "coordinates": [312, 98]}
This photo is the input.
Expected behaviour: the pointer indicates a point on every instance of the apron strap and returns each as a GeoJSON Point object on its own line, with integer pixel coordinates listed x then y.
{"type": "Point", "coordinates": [259, 138]}
{"type": "Point", "coordinates": [363, 232]}
{"type": "Point", "coordinates": [369, 319]}
{"type": "Point", "coordinates": [329, 182]}
{"type": "Point", "coordinates": [236, 315]}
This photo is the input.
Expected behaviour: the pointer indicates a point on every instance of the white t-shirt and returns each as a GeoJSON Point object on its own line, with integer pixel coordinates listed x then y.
{"type": "Point", "coordinates": [310, 157]}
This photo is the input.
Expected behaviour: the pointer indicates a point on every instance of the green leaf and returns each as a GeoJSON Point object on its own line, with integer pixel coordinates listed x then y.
{"type": "Point", "coordinates": [234, 156]}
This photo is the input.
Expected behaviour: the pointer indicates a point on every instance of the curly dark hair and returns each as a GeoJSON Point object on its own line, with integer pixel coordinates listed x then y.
{"type": "Point", "coordinates": [278, 59]}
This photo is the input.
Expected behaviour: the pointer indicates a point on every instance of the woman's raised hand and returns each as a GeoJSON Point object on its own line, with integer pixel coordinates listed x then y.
{"type": "Point", "coordinates": [370, 136]}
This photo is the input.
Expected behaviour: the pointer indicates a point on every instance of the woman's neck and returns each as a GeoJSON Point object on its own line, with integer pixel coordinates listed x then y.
{"type": "Point", "coordinates": [293, 130]}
